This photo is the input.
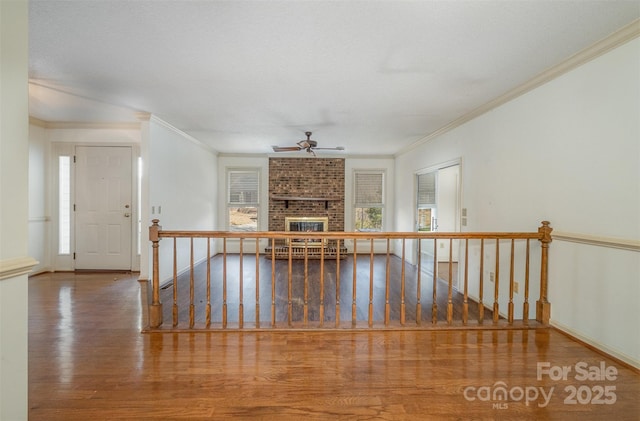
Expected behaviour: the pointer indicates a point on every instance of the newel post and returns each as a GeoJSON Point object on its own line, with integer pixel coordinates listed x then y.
{"type": "Point", "coordinates": [155, 311]}
{"type": "Point", "coordinates": [543, 306]}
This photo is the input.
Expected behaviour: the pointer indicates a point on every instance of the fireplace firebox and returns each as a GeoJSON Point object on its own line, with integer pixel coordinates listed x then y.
{"type": "Point", "coordinates": [306, 224]}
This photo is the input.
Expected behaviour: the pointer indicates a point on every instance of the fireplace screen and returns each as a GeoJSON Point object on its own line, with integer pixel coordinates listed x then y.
{"type": "Point", "coordinates": [307, 224]}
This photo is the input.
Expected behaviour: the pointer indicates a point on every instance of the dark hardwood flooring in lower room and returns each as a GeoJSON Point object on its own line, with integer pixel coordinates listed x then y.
{"type": "Point", "coordinates": [88, 360]}
{"type": "Point", "coordinates": [312, 269]}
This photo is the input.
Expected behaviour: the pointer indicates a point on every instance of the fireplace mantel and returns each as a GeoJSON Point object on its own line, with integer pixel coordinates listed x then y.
{"type": "Point", "coordinates": [286, 199]}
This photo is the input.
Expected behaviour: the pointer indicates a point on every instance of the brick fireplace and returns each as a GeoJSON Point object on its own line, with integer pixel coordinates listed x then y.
{"type": "Point", "coordinates": [306, 187]}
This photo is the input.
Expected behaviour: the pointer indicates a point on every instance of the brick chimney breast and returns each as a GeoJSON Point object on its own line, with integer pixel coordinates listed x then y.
{"type": "Point", "coordinates": [321, 178]}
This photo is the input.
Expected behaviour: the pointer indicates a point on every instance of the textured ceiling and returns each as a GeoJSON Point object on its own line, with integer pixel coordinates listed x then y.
{"type": "Point", "coordinates": [241, 76]}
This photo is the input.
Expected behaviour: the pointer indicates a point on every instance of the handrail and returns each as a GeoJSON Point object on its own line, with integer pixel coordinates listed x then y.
{"type": "Point", "coordinates": [473, 284]}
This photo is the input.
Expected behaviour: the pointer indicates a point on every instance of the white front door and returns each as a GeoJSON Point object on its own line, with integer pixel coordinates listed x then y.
{"type": "Point", "coordinates": [103, 207]}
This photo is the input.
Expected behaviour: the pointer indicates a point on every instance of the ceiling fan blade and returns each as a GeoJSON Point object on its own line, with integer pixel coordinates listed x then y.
{"type": "Point", "coordinates": [337, 148]}
{"type": "Point", "coordinates": [286, 148]}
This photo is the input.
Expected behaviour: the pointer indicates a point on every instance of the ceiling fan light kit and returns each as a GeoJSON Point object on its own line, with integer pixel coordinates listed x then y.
{"type": "Point", "coordinates": [307, 144]}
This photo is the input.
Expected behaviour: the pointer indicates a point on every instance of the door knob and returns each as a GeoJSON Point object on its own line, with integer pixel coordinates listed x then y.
{"type": "Point", "coordinates": [126, 215]}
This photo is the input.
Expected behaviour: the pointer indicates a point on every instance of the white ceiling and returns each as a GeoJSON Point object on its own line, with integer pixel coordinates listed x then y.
{"type": "Point", "coordinates": [241, 76]}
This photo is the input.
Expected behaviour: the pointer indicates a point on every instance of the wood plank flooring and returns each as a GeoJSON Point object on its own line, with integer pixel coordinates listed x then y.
{"type": "Point", "coordinates": [88, 360]}
{"type": "Point", "coordinates": [312, 270]}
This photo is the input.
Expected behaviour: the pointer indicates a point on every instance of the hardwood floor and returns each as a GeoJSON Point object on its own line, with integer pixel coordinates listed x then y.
{"type": "Point", "coordinates": [88, 360]}
{"type": "Point", "coordinates": [281, 289]}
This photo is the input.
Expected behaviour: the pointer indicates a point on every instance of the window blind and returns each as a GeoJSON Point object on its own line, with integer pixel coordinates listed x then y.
{"type": "Point", "coordinates": [243, 187]}
{"type": "Point", "coordinates": [368, 188]}
{"type": "Point", "coordinates": [426, 189]}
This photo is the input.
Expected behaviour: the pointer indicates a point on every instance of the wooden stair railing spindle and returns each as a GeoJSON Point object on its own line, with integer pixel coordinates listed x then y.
{"type": "Point", "coordinates": [273, 282]}
{"type": "Point", "coordinates": [525, 305]}
{"type": "Point", "coordinates": [434, 304]}
{"type": "Point", "coordinates": [241, 285]}
{"type": "Point", "coordinates": [543, 307]}
{"type": "Point", "coordinates": [511, 283]}
{"type": "Point", "coordinates": [403, 313]}
{"type": "Point", "coordinates": [465, 299]}
{"type": "Point", "coordinates": [371, 284]}
{"type": "Point", "coordinates": [208, 307]}
{"type": "Point", "coordinates": [321, 315]}
{"type": "Point", "coordinates": [155, 310]}
{"type": "Point", "coordinates": [289, 287]}
{"type": "Point", "coordinates": [305, 308]}
{"type": "Point", "coordinates": [192, 307]}
{"type": "Point", "coordinates": [387, 280]}
{"type": "Point", "coordinates": [338, 283]}
{"type": "Point", "coordinates": [496, 286]}
{"type": "Point", "coordinates": [481, 284]}
{"type": "Point", "coordinates": [257, 282]}
{"type": "Point", "coordinates": [419, 285]}
{"type": "Point", "coordinates": [450, 279]}
{"type": "Point", "coordinates": [224, 282]}
{"type": "Point", "coordinates": [175, 283]}
{"type": "Point", "coordinates": [354, 307]}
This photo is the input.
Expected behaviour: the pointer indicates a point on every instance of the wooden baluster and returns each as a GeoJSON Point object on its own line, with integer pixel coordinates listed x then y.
{"type": "Point", "coordinates": [496, 313]}
{"type": "Point", "coordinates": [525, 305]}
{"type": "Point", "coordinates": [224, 282]}
{"type": "Point", "coordinates": [322, 283]}
{"type": "Point", "coordinates": [481, 286]}
{"type": "Point", "coordinates": [273, 282]}
{"type": "Point", "coordinates": [175, 283]}
{"type": "Point", "coordinates": [338, 258]}
{"type": "Point", "coordinates": [450, 291]}
{"type": "Point", "coordinates": [465, 300]}
{"type": "Point", "coordinates": [402, 286]}
{"type": "Point", "coordinates": [257, 282]}
{"type": "Point", "coordinates": [208, 308]}
{"type": "Point", "coordinates": [192, 307]}
{"type": "Point", "coordinates": [387, 281]}
{"type": "Point", "coordinates": [419, 285]}
{"type": "Point", "coordinates": [290, 274]}
{"type": "Point", "coordinates": [305, 310]}
{"type": "Point", "coordinates": [543, 307]}
{"type": "Point", "coordinates": [371, 284]}
{"type": "Point", "coordinates": [155, 311]}
{"type": "Point", "coordinates": [511, 283]}
{"type": "Point", "coordinates": [355, 278]}
{"type": "Point", "coordinates": [241, 287]}
{"type": "Point", "coordinates": [434, 304]}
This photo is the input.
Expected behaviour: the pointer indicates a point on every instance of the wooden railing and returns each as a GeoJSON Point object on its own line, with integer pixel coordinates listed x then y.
{"type": "Point", "coordinates": [309, 287]}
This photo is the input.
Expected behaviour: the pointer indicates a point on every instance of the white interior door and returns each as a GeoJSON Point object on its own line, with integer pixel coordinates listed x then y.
{"type": "Point", "coordinates": [438, 192]}
{"type": "Point", "coordinates": [103, 207]}
{"type": "Point", "coordinates": [447, 194]}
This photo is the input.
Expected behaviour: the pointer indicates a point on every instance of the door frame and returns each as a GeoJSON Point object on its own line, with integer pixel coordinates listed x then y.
{"type": "Point", "coordinates": [67, 262]}
{"type": "Point", "coordinates": [458, 207]}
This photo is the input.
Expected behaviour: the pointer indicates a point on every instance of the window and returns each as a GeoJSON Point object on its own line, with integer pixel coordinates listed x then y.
{"type": "Point", "coordinates": [426, 201]}
{"type": "Point", "coordinates": [64, 205]}
{"type": "Point", "coordinates": [368, 200]}
{"type": "Point", "coordinates": [243, 199]}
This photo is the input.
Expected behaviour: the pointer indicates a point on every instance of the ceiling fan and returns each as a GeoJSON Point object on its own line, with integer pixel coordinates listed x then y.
{"type": "Point", "coordinates": [308, 145]}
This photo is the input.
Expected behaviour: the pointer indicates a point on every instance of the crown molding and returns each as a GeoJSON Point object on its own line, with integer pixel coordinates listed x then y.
{"type": "Point", "coordinates": [179, 132]}
{"type": "Point", "coordinates": [82, 125]}
{"type": "Point", "coordinates": [618, 38]}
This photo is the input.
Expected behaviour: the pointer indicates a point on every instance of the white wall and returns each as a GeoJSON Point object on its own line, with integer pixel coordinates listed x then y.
{"type": "Point", "coordinates": [39, 188]}
{"type": "Point", "coordinates": [14, 210]}
{"type": "Point", "coordinates": [567, 152]}
{"type": "Point", "coordinates": [182, 183]}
